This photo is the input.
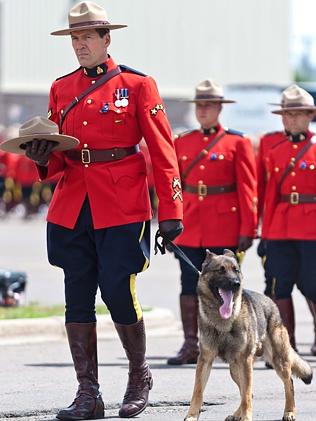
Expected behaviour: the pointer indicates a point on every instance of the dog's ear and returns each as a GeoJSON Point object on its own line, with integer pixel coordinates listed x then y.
{"type": "Point", "coordinates": [209, 255]}
{"type": "Point", "coordinates": [230, 253]}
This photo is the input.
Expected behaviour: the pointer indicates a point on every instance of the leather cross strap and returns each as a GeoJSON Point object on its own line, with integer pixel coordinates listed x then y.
{"type": "Point", "coordinates": [88, 156]}
{"type": "Point", "coordinates": [204, 190]}
{"type": "Point", "coordinates": [103, 79]}
{"type": "Point", "coordinates": [201, 155]}
{"type": "Point", "coordinates": [295, 198]}
{"type": "Point", "coordinates": [293, 162]}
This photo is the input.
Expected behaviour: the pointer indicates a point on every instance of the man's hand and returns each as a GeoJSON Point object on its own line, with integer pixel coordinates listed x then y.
{"type": "Point", "coordinates": [244, 243]}
{"type": "Point", "coordinates": [39, 150]}
{"type": "Point", "coordinates": [171, 228]}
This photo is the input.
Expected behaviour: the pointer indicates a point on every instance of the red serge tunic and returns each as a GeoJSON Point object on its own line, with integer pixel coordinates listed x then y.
{"type": "Point", "coordinates": [283, 220]}
{"type": "Point", "coordinates": [218, 220]}
{"type": "Point", "coordinates": [117, 190]}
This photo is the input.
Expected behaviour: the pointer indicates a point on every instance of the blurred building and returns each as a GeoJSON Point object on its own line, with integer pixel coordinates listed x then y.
{"type": "Point", "coordinates": [179, 42]}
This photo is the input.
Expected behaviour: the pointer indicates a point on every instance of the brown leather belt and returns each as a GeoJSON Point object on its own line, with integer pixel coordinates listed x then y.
{"type": "Point", "coordinates": [295, 198]}
{"type": "Point", "coordinates": [87, 156]}
{"type": "Point", "coordinates": [204, 190]}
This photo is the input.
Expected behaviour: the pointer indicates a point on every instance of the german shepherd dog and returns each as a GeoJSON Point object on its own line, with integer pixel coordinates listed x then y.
{"type": "Point", "coordinates": [237, 325]}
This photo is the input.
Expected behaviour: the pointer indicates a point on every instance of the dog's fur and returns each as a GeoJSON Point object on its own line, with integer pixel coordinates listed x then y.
{"type": "Point", "coordinates": [238, 325]}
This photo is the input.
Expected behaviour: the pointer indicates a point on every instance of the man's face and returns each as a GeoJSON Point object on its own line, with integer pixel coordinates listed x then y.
{"type": "Point", "coordinates": [89, 47]}
{"type": "Point", "coordinates": [207, 113]}
{"type": "Point", "coordinates": [297, 121]}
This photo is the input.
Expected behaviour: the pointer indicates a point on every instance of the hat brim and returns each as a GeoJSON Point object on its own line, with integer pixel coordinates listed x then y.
{"type": "Point", "coordinates": [284, 109]}
{"type": "Point", "coordinates": [81, 28]}
{"type": "Point", "coordinates": [17, 144]}
{"type": "Point", "coordinates": [222, 101]}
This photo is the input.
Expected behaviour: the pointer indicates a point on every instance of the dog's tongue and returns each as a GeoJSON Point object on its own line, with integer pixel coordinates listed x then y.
{"type": "Point", "coordinates": [226, 309]}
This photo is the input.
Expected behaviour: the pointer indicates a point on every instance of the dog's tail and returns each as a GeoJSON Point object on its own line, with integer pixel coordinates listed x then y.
{"type": "Point", "coordinates": [301, 368]}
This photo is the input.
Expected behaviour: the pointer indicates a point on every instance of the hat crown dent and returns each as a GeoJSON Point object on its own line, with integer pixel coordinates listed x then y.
{"type": "Point", "coordinates": [209, 87]}
{"type": "Point", "coordinates": [85, 12]}
{"type": "Point", "coordinates": [38, 125]}
{"type": "Point", "coordinates": [296, 95]}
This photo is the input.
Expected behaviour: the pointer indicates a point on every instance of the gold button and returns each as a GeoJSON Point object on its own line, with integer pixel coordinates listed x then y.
{"type": "Point", "coordinates": [276, 169]}
{"type": "Point", "coordinates": [293, 174]}
{"type": "Point", "coordinates": [293, 159]}
{"type": "Point", "coordinates": [184, 158]}
{"type": "Point", "coordinates": [293, 188]}
{"type": "Point", "coordinates": [295, 146]}
{"type": "Point", "coordinates": [221, 156]}
{"type": "Point", "coordinates": [61, 111]}
{"type": "Point", "coordinates": [205, 138]}
{"type": "Point", "coordinates": [92, 82]}
{"type": "Point", "coordinates": [89, 101]}
{"type": "Point", "coordinates": [202, 167]}
{"type": "Point", "coordinates": [86, 165]}
{"type": "Point", "coordinates": [200, 181]}
{"type": "Point", "coordinates": [205, 152]}
{"type": "Point", "coordinates": [201, 198]}
{"type": "Point", "coordinates": [85, 145]}
{"type": "Point", "coordinates": [312, 166]}
{"type": "Point", "coordinates": [84, 123]}
{"type": "Point", "coordinates": [234, 209]}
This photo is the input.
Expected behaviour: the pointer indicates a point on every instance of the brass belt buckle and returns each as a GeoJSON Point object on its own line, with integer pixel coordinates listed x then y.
{"type": "Point", "coordinates": [202, 189]}
{"type": "Point", "coordinates": [294, 198]}
{"type": "Point", "coordinates": [85, 156]}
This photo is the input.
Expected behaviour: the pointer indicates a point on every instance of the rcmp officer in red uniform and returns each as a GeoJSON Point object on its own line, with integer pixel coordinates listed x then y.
{"type": "Point", "coordinates": [218, 173]}
{"type": "Point", "coordinates": [98, 220]}
{"type": "Point", "coordinates": [290, 207]}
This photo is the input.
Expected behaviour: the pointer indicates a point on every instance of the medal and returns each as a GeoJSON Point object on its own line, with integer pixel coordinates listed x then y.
{"type": "Point", "coordinates": [121, 96]}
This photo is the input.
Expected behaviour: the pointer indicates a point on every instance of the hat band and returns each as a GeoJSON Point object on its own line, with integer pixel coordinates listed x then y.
{"type": "Point", "coordinates": [295, 104]}
{"type": "Point", "coordinates": [208, 97]}
{"type": "Point", "coordinates": [89, 23]}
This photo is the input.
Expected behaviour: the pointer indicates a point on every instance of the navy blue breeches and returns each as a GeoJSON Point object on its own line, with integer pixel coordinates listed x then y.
{"type": "Point", "coordinates": [107, 258]}
{"type": "Point", "coordinates": [189, 278]}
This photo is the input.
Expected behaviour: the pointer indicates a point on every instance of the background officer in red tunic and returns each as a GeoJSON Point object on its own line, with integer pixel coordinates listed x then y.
{"type": "Point", "coordinates": [218, 173]}
{"type": "Point", "coordinates": [98, 220]}
{"type": "Point", "coordinates": [290, 207]}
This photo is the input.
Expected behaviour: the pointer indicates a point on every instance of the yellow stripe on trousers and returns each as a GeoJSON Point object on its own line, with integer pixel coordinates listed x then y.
{"type": "Point", "coordinates": [132, 281]}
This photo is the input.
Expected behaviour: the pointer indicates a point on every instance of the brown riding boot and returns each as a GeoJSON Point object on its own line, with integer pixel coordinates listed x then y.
{"type": "Point", "coordinates": [139, 377]}
{"type": "Point", "coordinates": [312, 307]}
{"type": "Point", "coordinates": [189, 351]}
{"type": "Point", "coordinates": [88, 403]}
{"type": "Point", "coordinates": [286, 308]}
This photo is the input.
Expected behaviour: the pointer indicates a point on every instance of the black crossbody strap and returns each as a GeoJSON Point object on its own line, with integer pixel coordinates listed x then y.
{"type": "Point", "coordinates": [202, 155]}
{"type": "Point", "coordinates": [91, 88]}
{"type": "Point", "coordinates": [293, 162]}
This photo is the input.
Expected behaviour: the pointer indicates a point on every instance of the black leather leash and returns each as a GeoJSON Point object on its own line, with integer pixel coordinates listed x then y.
{"type": "Point", "coordinates": [162, 248]}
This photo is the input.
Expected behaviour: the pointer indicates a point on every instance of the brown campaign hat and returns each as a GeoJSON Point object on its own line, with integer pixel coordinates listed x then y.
{"type": "Point", "coordinates": [295, 98]}
{"type": "Point", "coordinates": [39, 128]}
{"type": "Point", "coordinates": [210, 91]}
{"type": "Point", "coordinates": [87, 15]}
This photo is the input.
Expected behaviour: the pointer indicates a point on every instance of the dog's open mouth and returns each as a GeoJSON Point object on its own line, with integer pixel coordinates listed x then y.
{"type": "Point", "coordinates": [226, 298]}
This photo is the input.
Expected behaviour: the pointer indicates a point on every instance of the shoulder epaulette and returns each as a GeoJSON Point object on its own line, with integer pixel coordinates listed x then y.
{"type": "Point", "coordinates": [130, 70]}
{"type": "Point", "coordinates": [235, 132]}
{"type": "Point", "coordinates": [181, 134]}
{"type": "Point", "coordinates": [68, 74]}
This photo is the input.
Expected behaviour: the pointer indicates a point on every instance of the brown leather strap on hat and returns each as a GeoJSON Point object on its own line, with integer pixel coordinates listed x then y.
{"type": "Point", "coordinates": [296, 198]}
{"type": "Point", "coordinates": [204, 190]}
{"type": "Point", "coordinates": [87, 156]}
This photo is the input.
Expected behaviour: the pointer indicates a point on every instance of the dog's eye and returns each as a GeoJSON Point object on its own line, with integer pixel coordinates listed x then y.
{"type": "Point", "coordinates": [222, 269]}
{"type": "Point", "coordinates": [236, 269]}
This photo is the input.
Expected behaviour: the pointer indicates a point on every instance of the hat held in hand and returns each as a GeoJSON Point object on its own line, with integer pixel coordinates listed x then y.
{"type": "Point", "coordinates": [295, 98]}
{"type": "Point", "coordinates": [39, 128]}
{"type": "Point", "coordinates": [209, 91]}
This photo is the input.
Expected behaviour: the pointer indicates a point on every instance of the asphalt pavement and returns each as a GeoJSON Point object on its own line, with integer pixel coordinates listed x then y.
{"type": "Point", "coordinates": [36, 374]}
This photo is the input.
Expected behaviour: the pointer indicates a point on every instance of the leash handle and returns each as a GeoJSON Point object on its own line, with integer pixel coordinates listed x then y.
{"type": "Point", "coordinates": [162, 248]}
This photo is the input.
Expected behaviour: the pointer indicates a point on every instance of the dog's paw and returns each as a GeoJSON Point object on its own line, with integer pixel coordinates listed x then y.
{"type": "Point", "coordinates": [289, 416]}
{"type": "Point", "coordinates": [232, 418]}
{"type": "Point", "coordinates": [191, 418]}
